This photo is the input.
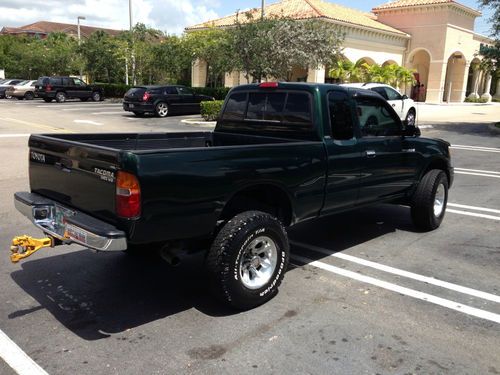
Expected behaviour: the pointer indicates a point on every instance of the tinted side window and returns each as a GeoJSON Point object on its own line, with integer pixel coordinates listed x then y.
{"type": "Point", "coordinates": [170, 91]}
{"type": "Point", "coordinates": [298, 108]}
{"type": "Point", "coordinates": [184, 91]}
{"type": "Point", "coordinates": [340, 116]}
{"type": "Point", "coordinates": [67, 81]}
{"type": "Point", "coordinates": [235, 107]}
{"type": "Point", "coordinates": [392, 94]}
{"type": "Point", "coordinates": [79, 82]}
{"type": "Point", "coordinates": [377, 118]}
{"type": "Point", "coordinates": [55, 81]}
{"type": "Point", "coordinates": [381, 91]}
{"type": "Point", "coordinates": [265, 106]}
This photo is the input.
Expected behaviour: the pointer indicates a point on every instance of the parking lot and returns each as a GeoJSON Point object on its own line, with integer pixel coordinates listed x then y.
{"type": "Point", "coordinates": [365, 293]}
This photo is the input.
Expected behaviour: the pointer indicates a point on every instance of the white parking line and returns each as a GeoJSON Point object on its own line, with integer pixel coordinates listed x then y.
{"type": "Point", "coordinates": [469, 310]}
{"type": "Point", "coordinates": [109, 113]}
{"type": "Point", "coordinates": [476, 148]}
{"type": "Point", "coordinates": [14, 135]}
{"type": "Point", "coordinates": [18, 360]}
{"type": "Point", "coordinates": [476, 208]}
{"type": "Point", "coordinates": [89, 122]}
{"type": "Point", "coordinates": [476, 171]}
{"type": "Point", "coordinates": [399, 272]}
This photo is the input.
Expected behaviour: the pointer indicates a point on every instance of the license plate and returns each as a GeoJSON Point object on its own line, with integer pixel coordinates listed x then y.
{"type": "Point", "coordinates": [76, 233]}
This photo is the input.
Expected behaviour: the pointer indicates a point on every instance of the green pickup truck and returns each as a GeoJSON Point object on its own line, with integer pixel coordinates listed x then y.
{"type": "Point", "coordinates": [281, 153]}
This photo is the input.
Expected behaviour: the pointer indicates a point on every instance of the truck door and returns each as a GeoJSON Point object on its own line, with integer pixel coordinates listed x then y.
{"type": "Point", "coordinates": [387, 171]}
{"type": "Point", "coordinates": [345, 160]}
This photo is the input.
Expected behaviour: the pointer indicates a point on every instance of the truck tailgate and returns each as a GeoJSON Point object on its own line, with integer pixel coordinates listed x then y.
{"type": "Point", "coordinates": [75, 174]}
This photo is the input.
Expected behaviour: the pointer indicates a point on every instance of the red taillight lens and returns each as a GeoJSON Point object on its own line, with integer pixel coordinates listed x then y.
{"type": "Point", "coordinates": [48, 88]}
{"type": "Point", "coordinates": [146, 96]}
{"type": "Point", "coordinates": [269, 85]}
{"type": "Point", "coordinates": [128, 195]}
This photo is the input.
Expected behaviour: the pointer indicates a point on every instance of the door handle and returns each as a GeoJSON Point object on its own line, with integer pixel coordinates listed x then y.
{"type": "Point", "coordinates": [393, 105]}
{"type": "Point", "coordinates": [370, 153]}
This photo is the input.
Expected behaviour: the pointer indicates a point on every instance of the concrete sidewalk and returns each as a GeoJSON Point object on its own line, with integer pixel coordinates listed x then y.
{"type": "Point", "coordinates": [458, 113]}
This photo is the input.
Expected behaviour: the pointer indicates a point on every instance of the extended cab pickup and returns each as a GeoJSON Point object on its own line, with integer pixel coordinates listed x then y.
{"type": "Point", "coordinates": [281, 153]}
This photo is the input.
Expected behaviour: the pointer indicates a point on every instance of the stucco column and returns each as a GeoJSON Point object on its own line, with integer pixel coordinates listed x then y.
{"type": "Point", "coordinates": [435, 82]}
{"type": "Point", "coordinates": [464, 82]}
{"type": "Point", "coordinates": [316, 75]}
{"type": "Point", "coordinates": [497, 93]}
{"type": "Point", "coordinates": [199, 73]}
{"type": "Point", "coordinates": [480, 83]}
{"type": "Point", "coordinates": [475, 79]}
{"type": "Point", "coordinates": [487, 88]}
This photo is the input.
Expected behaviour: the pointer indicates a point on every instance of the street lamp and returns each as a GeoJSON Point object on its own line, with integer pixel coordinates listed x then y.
{"type": "Point", "coordinates": [78, 23]}
{"type": "Point", "coordinates": [79, 36]}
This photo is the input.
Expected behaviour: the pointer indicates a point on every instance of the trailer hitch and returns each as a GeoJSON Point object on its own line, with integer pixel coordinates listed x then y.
{"type": "Point", "coordinates": [23, 246]}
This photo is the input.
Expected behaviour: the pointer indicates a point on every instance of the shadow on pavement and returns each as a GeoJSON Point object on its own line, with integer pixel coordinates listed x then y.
{"type": "Point", "coordinates": [465, 128]}
{"type": "Point", "coordinates": [95, 295]}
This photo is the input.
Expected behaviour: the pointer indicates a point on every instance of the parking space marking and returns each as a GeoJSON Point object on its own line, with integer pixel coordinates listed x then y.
{"type": "Point", "coordinates": [74, 108]}
{"type": "Point", "coordinates": [469, 310]}
{"type": "Point", "coordinates": [14, 135]}
{"type": "Point", "coordinates": [36, 125]}
{"type": "Point", "coordinates": [399, 272]}
{"type": "Point", "coordinates": [17, 359]}
{"type": "Point", "coordinates": [89, 122]}
{"type": "Point", "coordinates": [475, 148]}
{"type": "Point", "coordinates": [109, 113]}
{"type": "Point", "coordinates": [477, 172]}
{"type": "Point", "coordinates": [476, 208]}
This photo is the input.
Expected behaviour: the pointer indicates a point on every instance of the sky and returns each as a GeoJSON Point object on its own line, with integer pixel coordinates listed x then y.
{"type": "Point", "coordinates": [170, 16]}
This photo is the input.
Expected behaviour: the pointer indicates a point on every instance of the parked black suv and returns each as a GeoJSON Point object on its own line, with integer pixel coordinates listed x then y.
{"type": "Point", "coordinates": [162, 100]}
{"type": "Point", "coordinates": [62, 88]}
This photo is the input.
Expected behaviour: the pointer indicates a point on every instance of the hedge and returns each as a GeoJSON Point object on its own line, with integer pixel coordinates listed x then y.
{"type": "Point", "coordinates": [210, 109]}
{"type": "Point", "coordinates": [117, 90]}
{"type": "Point", "coordinates": [475, 100]}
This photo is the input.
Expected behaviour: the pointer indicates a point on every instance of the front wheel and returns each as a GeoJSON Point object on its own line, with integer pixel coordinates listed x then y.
{"type": "Point", "coordinates": [96, 96]}
{"type": "Point", "coordinates": [429, 201]}
{"type": "Point", "coordinates": [161, 109]}
{"type": "Point", "coordinates": [248, 260]}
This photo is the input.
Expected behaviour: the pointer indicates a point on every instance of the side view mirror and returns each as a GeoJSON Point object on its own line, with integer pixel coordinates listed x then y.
{"type": "Point", "coordinates": [410, 130]}
{"type": "Point", "coordinates": [404, 97]}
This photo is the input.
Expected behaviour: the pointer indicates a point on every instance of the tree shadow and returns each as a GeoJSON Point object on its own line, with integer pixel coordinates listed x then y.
{"type": "Point", "coordinates": [95, 295]}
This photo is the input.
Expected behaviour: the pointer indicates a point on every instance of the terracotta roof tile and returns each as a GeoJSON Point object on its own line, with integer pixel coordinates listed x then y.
{"type": "Point", "coordinates": [304, 9]}
{"type": "Point", "coordinates": [411, 3]}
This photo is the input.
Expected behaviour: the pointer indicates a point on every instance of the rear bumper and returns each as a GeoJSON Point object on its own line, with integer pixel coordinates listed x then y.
{"type": "Point", "coordinates": [69, 225]}
{"type": "Point", "coordinates": [138, 107]}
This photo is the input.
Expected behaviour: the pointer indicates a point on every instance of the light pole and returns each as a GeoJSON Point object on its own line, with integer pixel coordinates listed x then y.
{"type": "Point", "coordinates": [79, 36]}
{"type": "Point", "coordinates": [132, 36]}
{"type": "Point", "coordinates": [263, 10]}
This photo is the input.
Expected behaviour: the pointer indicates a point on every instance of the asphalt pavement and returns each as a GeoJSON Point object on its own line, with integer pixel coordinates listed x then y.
{"type": "Point", "coordinates": [365, 294]}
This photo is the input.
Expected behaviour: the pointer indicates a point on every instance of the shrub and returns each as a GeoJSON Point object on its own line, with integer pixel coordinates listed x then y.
{"type": "Point", "coordinates": [475, 100]}
{"type": "Point", "coordinates": [210, 109]}
{"type": "Point", "coordinates": [219, 93]}
{"type": "Point", "coordinates": [114, 90]}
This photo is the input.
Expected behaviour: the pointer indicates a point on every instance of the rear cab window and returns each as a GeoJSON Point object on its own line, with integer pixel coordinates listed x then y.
{"type": "Point", "coordinates": [286, 112]}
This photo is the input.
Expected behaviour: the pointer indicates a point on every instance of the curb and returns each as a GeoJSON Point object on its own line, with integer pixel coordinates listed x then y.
{"type": "Point", "coordinates": [199, 122]}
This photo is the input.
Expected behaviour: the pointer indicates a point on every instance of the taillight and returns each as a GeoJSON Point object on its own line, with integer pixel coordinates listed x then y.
{"type": "Point", "coordinates": [48, 88]}
{"type": "Point", "coordinates": [128, 195]}
{"type": "Point", "coordinates": [146, 96]}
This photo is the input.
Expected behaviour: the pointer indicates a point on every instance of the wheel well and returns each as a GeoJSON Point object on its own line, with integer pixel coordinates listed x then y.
{"type": "Point", "coordinates": [412, 109]}
{"type": "Point", "coordinates": [438, 164]}
{"type": "Point", "coordinates": [266, 198]}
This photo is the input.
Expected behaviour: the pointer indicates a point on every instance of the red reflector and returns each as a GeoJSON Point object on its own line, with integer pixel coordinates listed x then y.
{"type": "Point", "coordinates": [146, 96]}
{"type": "Point", "coordinates": [128, 195]}
{"type": "Point", "coordinates": [48, 88]}
{"type": "Point", "coordinates": [268, 85]}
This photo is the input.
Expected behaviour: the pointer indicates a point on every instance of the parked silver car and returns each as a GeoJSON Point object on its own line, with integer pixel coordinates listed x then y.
{"type": "Point", "coordinates": [23, 90]}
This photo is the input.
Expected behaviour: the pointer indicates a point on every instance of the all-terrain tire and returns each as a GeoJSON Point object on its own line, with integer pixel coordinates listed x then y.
{"type": "Point", "coordinates": [428, 204]}
{"type": "Point", "coordinates": [227, 261]}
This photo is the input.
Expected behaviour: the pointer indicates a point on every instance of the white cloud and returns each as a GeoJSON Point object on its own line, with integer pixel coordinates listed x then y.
{"type": "Point", "coordinates": [167, 15]}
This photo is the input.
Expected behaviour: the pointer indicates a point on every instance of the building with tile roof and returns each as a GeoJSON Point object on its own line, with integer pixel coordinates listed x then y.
{"type": "Point", "coordinates": [434, 37]}
{"type": "Point", "coordinates": [42, 29]}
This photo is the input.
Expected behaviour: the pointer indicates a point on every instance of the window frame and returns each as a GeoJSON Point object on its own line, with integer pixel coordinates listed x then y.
{"type": "Point", "coordinates": [391, 111]}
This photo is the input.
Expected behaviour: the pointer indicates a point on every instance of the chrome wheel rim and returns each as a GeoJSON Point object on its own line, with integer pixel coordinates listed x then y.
{"type": "Point", "coordinates": [258, 262]}
{"type": "Point", "coordinates": [162, 109]}
{"type": "Point", "coordinates": [61, 98]}
{"type": "Point", "coordinates": [96, 97]}
{"type": "Point", "coordinates": [439, 200]}
{"type": "Point", "coordinates": [410, 119]}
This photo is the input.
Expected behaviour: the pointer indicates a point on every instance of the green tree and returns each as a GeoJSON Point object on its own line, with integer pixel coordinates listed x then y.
{"type": "Point", "coordinates": [495, 18]}
{"type": "Point", "coordinates": [99, 54]}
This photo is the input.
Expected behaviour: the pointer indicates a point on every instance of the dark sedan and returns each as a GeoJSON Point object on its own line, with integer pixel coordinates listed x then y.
{"type": "Point", "coordinates": [162, 100]}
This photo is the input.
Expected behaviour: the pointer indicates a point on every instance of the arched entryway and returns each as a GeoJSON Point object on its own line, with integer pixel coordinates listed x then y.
{"type": "Point", "coordinates": [420, 60]}
{"type": "Point", "coordinates": [455, 75]}
{"type": "Point", "coordinates": [472, 90]}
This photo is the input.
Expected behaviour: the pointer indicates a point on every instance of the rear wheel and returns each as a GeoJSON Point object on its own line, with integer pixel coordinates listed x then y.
{"type": "Point", "coordinates": [60, 97]}
{"type": "Point", "coordinates": [248, 260]}
{"type": "Point", "coordinates": [96, 96]}
{"type": "Point", "coordinates": [161, 109]}
{"type": "Point", "coordinates": [29, 95]}
{"type": "Point", "coordinates": [429, 201]}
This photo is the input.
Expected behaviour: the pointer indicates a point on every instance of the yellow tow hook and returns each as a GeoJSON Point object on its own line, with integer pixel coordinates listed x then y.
{"type": "Point", "coordinates": [24, 246]}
